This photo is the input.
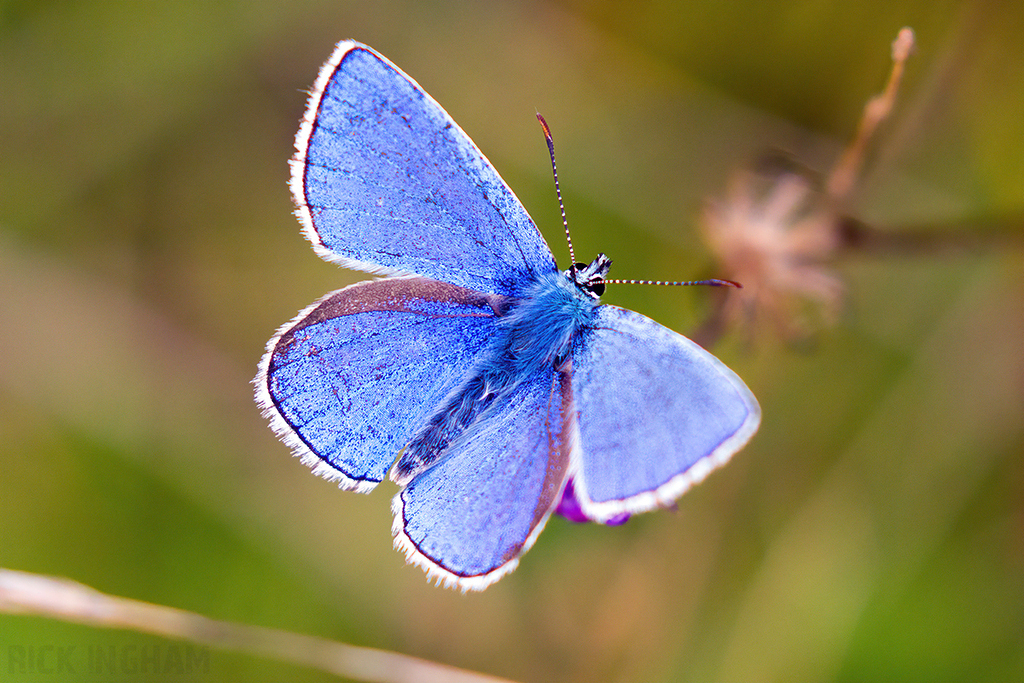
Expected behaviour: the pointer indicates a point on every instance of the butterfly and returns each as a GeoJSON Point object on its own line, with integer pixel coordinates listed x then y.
{"type": "Point", "coordinates": [489, 383]}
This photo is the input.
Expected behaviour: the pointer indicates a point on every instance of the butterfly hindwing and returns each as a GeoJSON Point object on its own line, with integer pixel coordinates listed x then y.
{"type": "Point", "coordinates": [387, 182]}
{"type": "Point", "coordinates": [348, 382]}
{"type": "Point", "coordinates": [656, 413]}
{"type": "Point", "coordinates": [469, 518]}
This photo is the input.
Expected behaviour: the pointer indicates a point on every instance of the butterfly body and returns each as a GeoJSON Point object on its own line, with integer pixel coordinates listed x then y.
{"type": "Point", "coordinates": [481, 377]}
{"type": "Point", "coordinates": [535, 331]}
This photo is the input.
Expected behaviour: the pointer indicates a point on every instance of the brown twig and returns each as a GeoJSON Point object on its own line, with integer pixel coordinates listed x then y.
{"type": "Point", "coordinates": [843, 177]}
{"type": "Point", "coordinates": [58, 598]}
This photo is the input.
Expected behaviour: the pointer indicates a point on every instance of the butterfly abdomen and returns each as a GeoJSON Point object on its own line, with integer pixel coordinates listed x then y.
{"type": "Point", "coordinates": [537, 331]}
{"type": "Point", "coordinates": [461, 410]}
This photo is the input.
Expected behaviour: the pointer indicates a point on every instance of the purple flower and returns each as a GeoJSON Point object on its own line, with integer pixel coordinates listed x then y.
{"type": "Point", "coordinates": [569, 507]}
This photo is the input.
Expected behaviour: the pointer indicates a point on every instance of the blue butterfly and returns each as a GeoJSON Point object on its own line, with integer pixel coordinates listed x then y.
{"type": "Point", "coordinates": [498, 382]}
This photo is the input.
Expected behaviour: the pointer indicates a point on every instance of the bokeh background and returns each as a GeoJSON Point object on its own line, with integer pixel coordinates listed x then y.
{"type": "Point", "coordinates": [873, 529]}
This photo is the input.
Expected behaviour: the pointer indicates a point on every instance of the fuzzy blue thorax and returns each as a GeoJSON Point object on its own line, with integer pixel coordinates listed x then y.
{"type": "Point", "coordinates": [537, 330]}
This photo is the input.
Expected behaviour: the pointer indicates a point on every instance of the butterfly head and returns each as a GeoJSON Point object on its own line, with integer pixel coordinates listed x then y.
{"type": "Point", "coordinates": [590, 278]}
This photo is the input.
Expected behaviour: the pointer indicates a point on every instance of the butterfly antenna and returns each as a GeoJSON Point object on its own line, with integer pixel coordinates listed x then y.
{"type": "Point", "coordinates": [568, 237]}
{"type": "Point", "coordinates": [714, 282]}
{"type": "Point", "coordinates": [558, 190]}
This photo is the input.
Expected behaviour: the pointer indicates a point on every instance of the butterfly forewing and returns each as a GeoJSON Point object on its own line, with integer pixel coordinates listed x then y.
{"type": "Point", "coordinates": [656, 413]}
{"type": "Point", "coordinates": [386, 182]}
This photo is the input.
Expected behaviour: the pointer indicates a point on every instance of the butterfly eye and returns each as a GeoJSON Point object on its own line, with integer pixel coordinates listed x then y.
{"type": "Point", "coordinates": [591, 277]}
{"type": "Point", "coordinates": [587, 279]}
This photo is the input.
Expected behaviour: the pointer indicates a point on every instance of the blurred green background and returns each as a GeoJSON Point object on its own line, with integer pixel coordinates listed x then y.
{"type": "Point", "coordinates": [872, 530]}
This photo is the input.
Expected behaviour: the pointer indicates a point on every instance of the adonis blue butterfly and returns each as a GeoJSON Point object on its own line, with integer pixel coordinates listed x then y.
{"type": "Point", "coordinates": [489, 383]}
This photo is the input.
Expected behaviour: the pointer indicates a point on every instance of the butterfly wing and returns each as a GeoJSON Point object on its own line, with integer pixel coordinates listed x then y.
{"type": "Point", "coordinates": [469, 518]}
{"type": "Point", "coordinates": [386, 182]}
{"type": "Point", "coordinates": [656, 413]}
{"type": "Point", "coordinates": [348, 382]}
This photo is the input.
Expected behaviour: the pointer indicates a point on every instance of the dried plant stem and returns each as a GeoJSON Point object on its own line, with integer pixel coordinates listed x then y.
{"type": "Point", "coordinates": [58, 598]}
{"type": "Point", "coordinates": [843, 177]}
